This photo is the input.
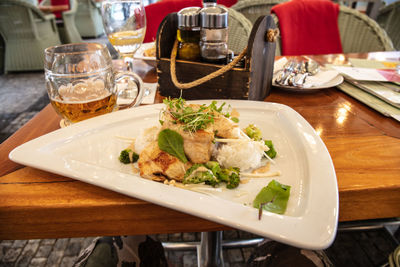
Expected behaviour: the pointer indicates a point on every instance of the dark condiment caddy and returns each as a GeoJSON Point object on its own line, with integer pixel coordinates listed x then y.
{"type": "Point", "coordinates": [252, 80]}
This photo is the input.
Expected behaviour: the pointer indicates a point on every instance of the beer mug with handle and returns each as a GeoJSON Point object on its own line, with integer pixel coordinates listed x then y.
{"type": "Point", "coordinates": [81, 83]}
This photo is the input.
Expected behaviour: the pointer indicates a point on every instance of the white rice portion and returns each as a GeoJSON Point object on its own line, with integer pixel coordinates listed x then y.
{"type": "Point", "coordinates": [245, 155]}
{"type": "Point", "coordinates": [146, 137]}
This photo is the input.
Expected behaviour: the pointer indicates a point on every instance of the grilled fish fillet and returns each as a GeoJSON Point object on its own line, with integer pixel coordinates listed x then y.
{"type": "Point", "coordinates": [197, 146]}
{"type": "Point", "coordinates": [224, 127]}
{"type": "Point", "coordinates": [158, 165]}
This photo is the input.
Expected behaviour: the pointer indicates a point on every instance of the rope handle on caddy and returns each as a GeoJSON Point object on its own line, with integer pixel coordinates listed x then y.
{"type": "Point", "coordinates": [271, 36]}
{"type": "Point", "coordinates": [205, 78]}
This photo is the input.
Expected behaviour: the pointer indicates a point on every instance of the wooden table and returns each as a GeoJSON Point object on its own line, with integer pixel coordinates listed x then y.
{"type": "Point", "coordinates": [364, 146]}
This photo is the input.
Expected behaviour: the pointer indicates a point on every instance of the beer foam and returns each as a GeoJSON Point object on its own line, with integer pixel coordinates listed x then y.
{"type": "Point", "coordinates": [83, 90]}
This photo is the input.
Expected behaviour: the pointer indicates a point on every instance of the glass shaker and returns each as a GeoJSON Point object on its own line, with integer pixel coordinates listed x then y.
{"type": "Point", "coordinates": [214, 34]}
{"type": "Point", "coordinates": [188, 33]}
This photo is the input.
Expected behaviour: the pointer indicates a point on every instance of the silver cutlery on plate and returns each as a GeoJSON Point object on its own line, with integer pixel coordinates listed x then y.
{"type": "Point", "coordinates": [295, 73]}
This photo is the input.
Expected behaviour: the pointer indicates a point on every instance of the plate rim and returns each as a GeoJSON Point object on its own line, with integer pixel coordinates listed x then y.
{"type": "Point", "coordinates": [27, 154]}
{"type": "Point", "coordinates": [139, 53]}
{"type": "Point", "coordinates": [334, 82]}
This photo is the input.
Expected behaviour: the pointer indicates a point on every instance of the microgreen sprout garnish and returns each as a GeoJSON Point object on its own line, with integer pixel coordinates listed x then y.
{"type": "Point", "coordinates": [193, 119]}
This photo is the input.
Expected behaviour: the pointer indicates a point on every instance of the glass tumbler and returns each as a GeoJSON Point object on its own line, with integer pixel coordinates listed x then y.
{"type": "Point", "coordinates": [81, 83]}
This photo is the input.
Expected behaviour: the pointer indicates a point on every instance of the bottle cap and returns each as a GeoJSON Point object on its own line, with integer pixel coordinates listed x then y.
{"type": "Point", "coordinates": [189, 17]}
{"type": "Point", "coordinates": [215, 17]}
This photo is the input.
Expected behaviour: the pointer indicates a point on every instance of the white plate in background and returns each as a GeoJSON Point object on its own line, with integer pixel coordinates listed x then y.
{"type": "Point", "coordinates": [140, 54]}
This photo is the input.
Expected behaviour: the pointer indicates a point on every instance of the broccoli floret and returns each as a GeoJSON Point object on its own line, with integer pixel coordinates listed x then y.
{"type": "Point", "coordinates": [124, 156]}
{"type": "Point", "coordinates": [128, 156]}
{"type": "Point", "coordinates": [253, 132]}
{"type": "Point", "coordinates": [214, 167]}
{"type": "Point", "coordinates": [212, 174]}
{"type": "Point", "coordinates": [135, 157]}
{"type": "Point", "coordinates": [271, 152]}
{"type": "Point", "coordinates": [199, 173]}
{"type": "Point", "coordinates": [231, 177]}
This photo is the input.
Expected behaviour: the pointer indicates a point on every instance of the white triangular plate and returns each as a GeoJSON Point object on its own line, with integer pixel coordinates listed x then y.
{"type": "Point", "coordinates": [88, 151]}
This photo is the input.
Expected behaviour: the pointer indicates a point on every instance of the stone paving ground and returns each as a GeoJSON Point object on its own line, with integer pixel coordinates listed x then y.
{"type": "Point", "coordinates": [22, 95]}
{"type": "Point", "coordinates": [41, 252]}
{"type": "Point", "coordinates": [63, 252]}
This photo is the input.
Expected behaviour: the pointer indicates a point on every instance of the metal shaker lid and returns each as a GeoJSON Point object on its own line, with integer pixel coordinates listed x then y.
{"type": "Point", "coordinates": [189, 17]}
{"type": "Point", "coordinates": [214, 17]}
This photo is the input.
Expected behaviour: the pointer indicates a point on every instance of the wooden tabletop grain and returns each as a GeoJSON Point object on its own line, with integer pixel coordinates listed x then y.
{"type": "Point", "coordinates": [364, 146]}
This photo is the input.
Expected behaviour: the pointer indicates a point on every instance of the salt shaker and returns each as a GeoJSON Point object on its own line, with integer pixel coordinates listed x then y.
{"type": "Point", "coordinates": [188, 33]}
{"type": "Point", "coordinates": [214, 34]}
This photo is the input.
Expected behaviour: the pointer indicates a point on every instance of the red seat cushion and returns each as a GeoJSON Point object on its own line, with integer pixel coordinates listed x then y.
{"type": "Point", "coordinates": [59, 2]}
{"type": "Point", "coordinates": [227, 3]}
{"type": "Point", "coordinates": [156, 12]}
{"type": "Point", "coordinates": [309, 27]}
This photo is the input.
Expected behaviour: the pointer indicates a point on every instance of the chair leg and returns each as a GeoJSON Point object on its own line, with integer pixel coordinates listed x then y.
{"type": "Point", "coordinates": [209, 253]}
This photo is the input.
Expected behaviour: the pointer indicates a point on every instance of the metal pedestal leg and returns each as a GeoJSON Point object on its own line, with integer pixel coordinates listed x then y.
{"type": "Point", "coordinates": [209, 250]}
{"type": "Point", "coordinates": [209, 253]}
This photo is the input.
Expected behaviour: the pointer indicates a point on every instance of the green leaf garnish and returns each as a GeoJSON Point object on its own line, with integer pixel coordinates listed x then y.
{"type": "Point", "coordinates": [273, 197]}
{"type": "Point", "coordinates": [172, 142]}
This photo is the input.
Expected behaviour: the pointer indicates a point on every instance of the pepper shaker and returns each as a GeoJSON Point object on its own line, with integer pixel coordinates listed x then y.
{"type": "Point", "coordinates": [214, 34]}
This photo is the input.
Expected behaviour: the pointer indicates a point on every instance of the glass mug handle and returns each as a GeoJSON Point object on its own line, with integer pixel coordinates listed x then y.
{"type": "Point", "coordinates": [126, 93]}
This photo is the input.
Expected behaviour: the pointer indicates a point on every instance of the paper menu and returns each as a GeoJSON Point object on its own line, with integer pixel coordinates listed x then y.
{"type": "Point", "coordinates": [374, 64]}
{"type": "Point", "coordinates": [380, 90]}
{"type": "Point", "coordinates": [372, 101]}
{"type": "Point", "coordinates": [369, 74]}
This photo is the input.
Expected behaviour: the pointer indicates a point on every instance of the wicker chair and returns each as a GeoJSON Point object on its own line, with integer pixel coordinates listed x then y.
{"type": "Point", "coordinates": [66, 27]}
{"type": "Point", "coordinates": [26, 32]}
{"type": "Point", "coordinates": [358, 33]}
{"type": "Point", "coordinates": [389, 19]}
{"type": "Point", "coordinates": [252, 9]}
{"type": "Point", "coordinates": [372, 6]}
{"type": "Point", "coordinates": [239, 31]}
{"type": "Point", "coordinates": [68, 30]}
{"type": "Point", "coordinates": [88, 19]}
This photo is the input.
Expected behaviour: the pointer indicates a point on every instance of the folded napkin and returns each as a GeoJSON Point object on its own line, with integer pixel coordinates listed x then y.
{"type": "Point", "coordinates": [321, 78]}
{"type": "Point", "coordinates": [279, 64]}
{"type": "Point", "coordinates": [309, 27]}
